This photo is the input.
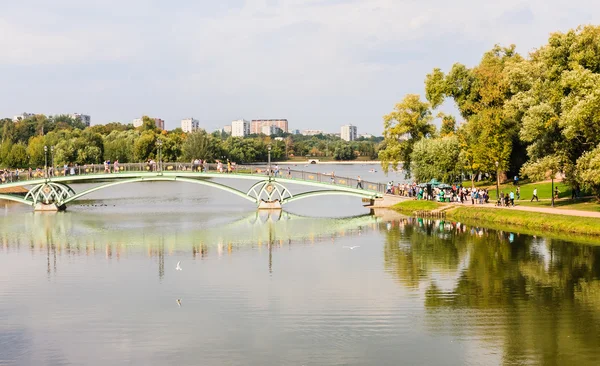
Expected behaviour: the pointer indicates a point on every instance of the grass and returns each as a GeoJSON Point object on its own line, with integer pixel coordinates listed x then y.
{"type": "Point", "coordinates": [544, 189]}
{"type": "Point", "coordinates": [529, 220]}
{"type": "Point", "coordinates": [412, 206]}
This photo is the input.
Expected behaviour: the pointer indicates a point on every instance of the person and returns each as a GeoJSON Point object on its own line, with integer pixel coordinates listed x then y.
{"type": "Point", "coordinates": [106, 167]}
{"type": "Point", "coordinates": [116, 166]}
{"type": "Point", "coordinates": [65, 169]}
{"type": "Point", "coordinates": [289, 172]}
{"type": "Point", "coordinates": [332, 177]}
{"type": "Point", "coordinates": [556, 192]}
{"type": "Point", "coordinates": [512, 198]}
{"type": "Point", "coordinates": [535, 195]}
{"type": "Point", "coordinates": [518, 193]}
{"type": "Point", "coordinates": [359, 183]}
{"type": "Point", "coordinates": [516, 182]}
{"type": "Point", "coordinates": [228, 166]}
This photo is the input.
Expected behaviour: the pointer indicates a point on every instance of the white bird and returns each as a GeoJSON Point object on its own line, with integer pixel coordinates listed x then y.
{"type": "Point", "coordinates": [353, 247]}
{"type": "Point", "coordinates": [179, 302]}
{"type": "Point", "coordinates": [178, 266]}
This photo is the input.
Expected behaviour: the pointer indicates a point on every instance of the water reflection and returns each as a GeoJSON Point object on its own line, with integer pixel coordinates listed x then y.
{"type": "Point", "coordinates": [537, 298]}
{"type": "Point", "coordinates": [280, 289]}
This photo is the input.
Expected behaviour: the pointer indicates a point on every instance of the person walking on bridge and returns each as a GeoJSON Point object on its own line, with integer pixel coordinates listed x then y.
{"type": "Point", "coordinates": [359, 183]}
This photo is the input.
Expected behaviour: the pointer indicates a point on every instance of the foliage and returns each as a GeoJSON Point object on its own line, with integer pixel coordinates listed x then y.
{"type": "Point", "coordinates": [588, 171]}
{"type": "Point", "coordinates": [409, 122]}
{"type": "Point", "coordinates": [437, 158]}
{"type": "Point", "coordinates": [344, 151]}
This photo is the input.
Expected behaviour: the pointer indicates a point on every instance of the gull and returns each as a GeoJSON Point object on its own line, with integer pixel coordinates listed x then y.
{"type": "Point", "coordinates": [353, 247]}
{"type": "Point", "coordinates": [179, 302]}
{"type": "Point", "coordinates": [178, 268]}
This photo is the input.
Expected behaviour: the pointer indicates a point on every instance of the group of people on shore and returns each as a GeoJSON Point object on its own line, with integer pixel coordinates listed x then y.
{"type": "Point", "coordinates": [456, 193]}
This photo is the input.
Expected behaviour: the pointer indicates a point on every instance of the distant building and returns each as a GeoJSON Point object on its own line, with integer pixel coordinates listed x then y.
{"type": "Point", "coordinates": [240, 128]}
{"type": "Point", "coordinates": [86, 119]}
{"type": "Point", "coordinates": [366, 135]}
{"type": "Point", "coordinates": [189, 125]}
{"type": "Point", "coordinates": [295, 132]}
{"type": "Point", "coordinates": [227, 129]}
{"type": "Point", "coordinates": [312, 132]}
{"type": "Point", "coordinates": [348, 133]}
{"type": "Point", "coordinates": [257, 124]}
{"type": "Point", "coordinates": [159, 123]}
{"type": "Point", "coordinates": [22, 116]}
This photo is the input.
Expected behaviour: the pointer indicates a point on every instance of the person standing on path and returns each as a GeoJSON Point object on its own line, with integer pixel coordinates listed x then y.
{"type": "Point", "coordinates": [511, 196]}
{"type": "Point", "coordinates": [518, 193]}
{"type": "Point", "coordinates": [535, 196]}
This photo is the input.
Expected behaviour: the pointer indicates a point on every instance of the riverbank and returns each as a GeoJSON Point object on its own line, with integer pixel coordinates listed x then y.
{"type": "Point", "coordinates": [575, 222]}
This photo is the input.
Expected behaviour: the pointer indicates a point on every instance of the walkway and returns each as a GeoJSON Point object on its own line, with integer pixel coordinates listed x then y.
{"type": "Point", "coordinates": [547, 210]}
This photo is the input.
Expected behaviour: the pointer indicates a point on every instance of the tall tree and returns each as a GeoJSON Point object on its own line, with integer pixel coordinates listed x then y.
{"type": "Point", "coordinates": [409, 122]}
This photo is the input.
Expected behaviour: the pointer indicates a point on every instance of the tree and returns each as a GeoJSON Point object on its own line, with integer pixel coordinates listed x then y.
{"type": "Point", "coordinates": [198, 146]}
{"type": "Point", "coordinates": [588, 171]}
{"type": "Point", "coordinates": [481, 94]}
{"type": "Point", "coordinates": [35, 150]}
{"type": "Point", "coordinates": [145, 146]}
{"type": "Point", "coordinates": [537, 170]}
{"type": "Point", "coordinates": [409, 122]}
{"type": "Point", "coordinates": [437, 159]}
{"type": "Point", "coordinates": [448, 124]}
{"type": "Point", "coordinates": [344, 151]}
{"type": "Point", "coordinates": [17, 157]}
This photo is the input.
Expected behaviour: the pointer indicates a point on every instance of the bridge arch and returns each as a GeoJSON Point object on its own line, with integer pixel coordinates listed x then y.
{"type": "Point", "coordinates": [161, 178]}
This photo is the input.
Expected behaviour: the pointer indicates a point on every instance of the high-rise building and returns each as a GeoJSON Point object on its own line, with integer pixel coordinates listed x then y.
{"type": "Point", "coordinates": [189, 125]}
{"type": "Point", "coordinates": [227, 129]}
{"type": "Point", "coordinates": [240, 128]}
{"type": "Point", "coordinates": [348, 133]}
{"type": "Point", "coordinates": [22, 116]}
{"type": "Point", "coordinates": [85, 118]}
{"type": "Point", "coordinates": [159, 123]}
{"type": "Point", "coordinates": [257, 124]}
{"type": "Point", "coordinates": [270, 130]}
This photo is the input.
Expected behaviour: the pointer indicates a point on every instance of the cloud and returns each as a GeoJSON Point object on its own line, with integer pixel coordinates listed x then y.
{"type": "Point", "coordinates": [218, 60]}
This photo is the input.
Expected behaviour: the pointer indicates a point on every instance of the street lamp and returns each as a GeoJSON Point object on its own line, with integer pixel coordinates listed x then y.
{"type": "Point", "coordinates": [159, 144]}
{"type": "Point", "coordinates": [497, 183]}
{"type": "Point", "coordinates": [52, 158]}
{"type": "Point", "coordinates": [46, 160]}
{"type": "Point", "coordinates": [269, 150]}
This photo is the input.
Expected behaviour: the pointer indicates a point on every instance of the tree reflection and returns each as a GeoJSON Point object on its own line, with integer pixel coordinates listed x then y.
{"type": "Point", "coordinates": [540, 298]}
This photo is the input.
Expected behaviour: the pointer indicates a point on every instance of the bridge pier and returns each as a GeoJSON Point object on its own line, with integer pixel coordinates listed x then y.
{"type": "Point", "coordinates": [48, 207]}
{"type": "Point", "coordinates": [273, 205]}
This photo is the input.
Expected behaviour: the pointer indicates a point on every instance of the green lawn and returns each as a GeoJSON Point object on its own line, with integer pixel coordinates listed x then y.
{"type": "Point", "coordinates": [530, 220]}
{"type": "Point", "coordinates": [544, 189]}
{"type": "Point", "coordinates": [413, 205]}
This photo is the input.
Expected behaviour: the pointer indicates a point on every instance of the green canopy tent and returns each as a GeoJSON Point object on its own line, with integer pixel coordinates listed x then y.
{"type": "Point", "coordinates": [434, 182]}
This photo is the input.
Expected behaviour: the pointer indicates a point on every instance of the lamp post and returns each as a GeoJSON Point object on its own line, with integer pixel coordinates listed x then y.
{"type": "Point", "coordinates": [46, 161]}
{"type": "Point", "coordinates": [269, 150]}
{"type": "Point", "coordinates": [497, 183]}
{"type": "Point", "coordinates": [52, 158]}
{"type": "Point", "coordinates": [159, 144]}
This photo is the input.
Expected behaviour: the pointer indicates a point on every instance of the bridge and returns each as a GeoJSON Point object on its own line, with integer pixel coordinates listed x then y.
{"type": "Point", "coordinates": [50, 190]}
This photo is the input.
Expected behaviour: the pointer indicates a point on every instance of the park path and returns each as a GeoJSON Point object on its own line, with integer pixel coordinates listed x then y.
{"type": "Point", "coordinates": [548, 210]}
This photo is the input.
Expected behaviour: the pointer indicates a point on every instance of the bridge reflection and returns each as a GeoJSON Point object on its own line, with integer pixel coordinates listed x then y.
{"type": "Point", "coordinates": [92, 235]}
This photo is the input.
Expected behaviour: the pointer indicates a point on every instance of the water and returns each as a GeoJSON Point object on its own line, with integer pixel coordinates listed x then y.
{"type": "Point", "coordinates": [98, 285]}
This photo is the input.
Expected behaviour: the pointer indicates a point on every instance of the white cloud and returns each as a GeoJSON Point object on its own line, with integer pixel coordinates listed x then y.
{"type": "Point", "coordinates": [264, 51]}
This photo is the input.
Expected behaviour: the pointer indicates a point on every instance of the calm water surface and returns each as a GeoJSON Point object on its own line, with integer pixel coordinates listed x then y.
{"type": "Point", "coordinates": [98, 285]}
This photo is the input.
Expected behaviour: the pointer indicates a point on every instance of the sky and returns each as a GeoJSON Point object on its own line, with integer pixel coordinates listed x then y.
{"type": "Point", "coordinates": [319, 63]}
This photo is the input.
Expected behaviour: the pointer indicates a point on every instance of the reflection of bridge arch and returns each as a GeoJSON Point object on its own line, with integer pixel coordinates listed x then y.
{"type": "Point", "coordinates": [272, 190]}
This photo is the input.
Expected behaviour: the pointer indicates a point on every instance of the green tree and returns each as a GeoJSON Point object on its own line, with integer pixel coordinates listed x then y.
{"type": "Point", "coordinates": [145, 146]}
{"type": "Point", "coordinates": [448, 124]}
{"type": "Point", "coordinates": [17, 157]}
{"type": "Point", "coordinates": [198, 145]}
{"type": "Point", "coordinates": [344, 151]}
{"type": "Point", "coordinates": [35, 151]}
{"type": "Point", "coordinates": [409, 122]}
{"type": "Point", "coordinates": [437, 158]}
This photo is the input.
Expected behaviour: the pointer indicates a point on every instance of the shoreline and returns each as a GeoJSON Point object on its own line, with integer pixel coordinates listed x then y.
{"type": "Point", "coordinates": [345, 162]}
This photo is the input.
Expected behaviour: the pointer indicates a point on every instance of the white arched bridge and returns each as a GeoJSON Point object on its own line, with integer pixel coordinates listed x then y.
{"type": "Point", "coordinates": [50, 190]}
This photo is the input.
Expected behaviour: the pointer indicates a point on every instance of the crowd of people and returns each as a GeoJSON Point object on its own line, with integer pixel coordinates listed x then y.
{"type": "Point", "coordinates": [456, 193]}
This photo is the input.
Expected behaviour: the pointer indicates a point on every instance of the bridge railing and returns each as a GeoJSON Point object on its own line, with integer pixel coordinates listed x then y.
{"type": "Point", "coordinates": [90, 169]}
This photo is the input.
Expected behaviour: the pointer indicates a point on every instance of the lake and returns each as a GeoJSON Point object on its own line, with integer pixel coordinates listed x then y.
{"type": "Point", "coordinates": [322, 283]}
